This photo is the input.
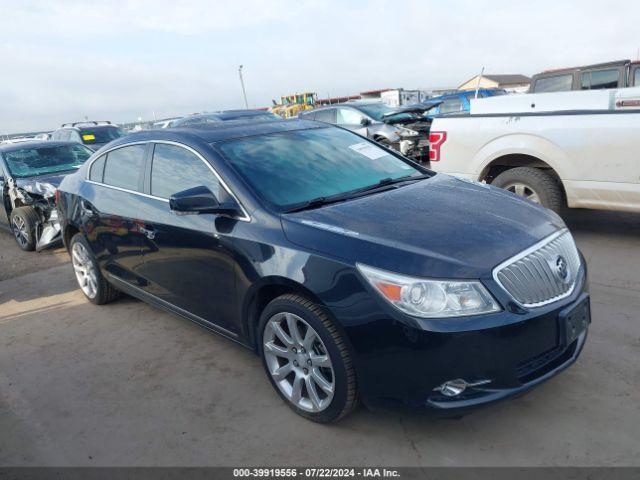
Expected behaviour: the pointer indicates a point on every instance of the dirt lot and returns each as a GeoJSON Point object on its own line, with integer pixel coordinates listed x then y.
{"type": "Point", "coordinates": [14, 262]}
{"type": "Point", "coordinates": [127, 384]}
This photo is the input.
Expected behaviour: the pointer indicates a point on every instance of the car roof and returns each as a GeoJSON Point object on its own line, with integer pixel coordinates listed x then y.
{"type": "Point", "coordinates": [217, 132]}
{"type": "Point", "coordinates": [12, 147]}
{"type": "Point", "coordinates": [352, 104]}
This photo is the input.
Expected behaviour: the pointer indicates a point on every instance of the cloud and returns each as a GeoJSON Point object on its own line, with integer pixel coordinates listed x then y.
{"type": "Point", "coordinates": [119, 60]}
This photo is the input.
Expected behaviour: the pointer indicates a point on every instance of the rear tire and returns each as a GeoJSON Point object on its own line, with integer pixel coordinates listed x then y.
{"type": "Point", "coordinates": [90, 279]}
{"type": "Point", "coordinates": [323, 372]}
{"type": "Point", "coordinates": [24, 221]}
{"type": "Point", "coordinates": [535, 184]}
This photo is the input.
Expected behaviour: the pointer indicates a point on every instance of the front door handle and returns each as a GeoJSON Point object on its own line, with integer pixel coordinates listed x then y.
{"type": "Point", "coordinates": [148, 232]}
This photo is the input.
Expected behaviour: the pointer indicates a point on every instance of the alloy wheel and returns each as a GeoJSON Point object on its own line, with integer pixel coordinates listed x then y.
{"type": "Point", "coordinates": [85, 271]}
{"type": "Point", "coordinates": [298, 362]}
{"type": "Point", "coordinates": [20, 231]}
{"type": "Point", "coordinates": [524, 191]}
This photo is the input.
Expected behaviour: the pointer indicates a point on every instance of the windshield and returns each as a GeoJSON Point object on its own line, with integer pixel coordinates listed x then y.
{"type": "Point", "coordinates": [100, 135]}
{"type": "Point", "coordinates": [31, 162]}
{"type": "Point", "coordinates": [378, 110]}
{"type": "Point", "coordinates": [290, 168]}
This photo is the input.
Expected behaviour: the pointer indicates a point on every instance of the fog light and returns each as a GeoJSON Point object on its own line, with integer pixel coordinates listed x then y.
{"type": "Point", "coordinates": [453, 388]}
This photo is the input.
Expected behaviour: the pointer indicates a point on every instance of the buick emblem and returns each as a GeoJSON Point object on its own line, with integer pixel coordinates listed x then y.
{"type": "Point", "coordinates": [561, 269]}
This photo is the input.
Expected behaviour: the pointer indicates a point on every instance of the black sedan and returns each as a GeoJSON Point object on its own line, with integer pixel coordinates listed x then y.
{"type": "Point", "coordinates": [353, 272]}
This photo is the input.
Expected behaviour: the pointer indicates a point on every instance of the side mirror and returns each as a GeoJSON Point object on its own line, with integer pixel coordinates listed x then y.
{"type": "Point", "coordinates": [365, 121]}
{"type": "Point", "coordinates": [201, 200]}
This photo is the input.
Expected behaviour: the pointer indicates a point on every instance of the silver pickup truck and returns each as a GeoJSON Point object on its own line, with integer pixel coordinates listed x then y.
{"type": "Point", "coordinates": [578, 149]}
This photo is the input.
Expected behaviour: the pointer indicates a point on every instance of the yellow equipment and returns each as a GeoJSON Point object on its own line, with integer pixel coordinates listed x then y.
{"type": "Point", "coordinates": [291, 105]}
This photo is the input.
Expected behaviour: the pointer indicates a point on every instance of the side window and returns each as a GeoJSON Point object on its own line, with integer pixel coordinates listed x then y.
{"type": "Point", "coordinates": [175, 169]}
{"type": "Point", "coordinates": [557, 83]}
{"type": "Point", "coordinates": [451, 105]}
{"type": "Point", "coordinates": [348, 116]}
{"type": "Point", "coordinates": [124, 167]}
{"type": "Point", "coordinates": [97, 169]}
{"type": "Point", "coordinates": [636, 81]}
{"type": "Point", "coordinates": [600, 79]}
{"type": "Point", "coordinates": [74, 136]}
{"type": "Point", "coordinates": [327, 116]}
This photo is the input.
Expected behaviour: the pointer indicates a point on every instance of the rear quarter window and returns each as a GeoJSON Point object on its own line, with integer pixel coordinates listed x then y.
{"type": "Point", "coordinates": [557, 83]}
{"type": "Point", "coordinates": [97, 169]}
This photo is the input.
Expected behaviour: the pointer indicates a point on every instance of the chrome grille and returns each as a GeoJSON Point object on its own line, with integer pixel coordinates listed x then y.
{"type": "Point", "coordinates": [535, 277]}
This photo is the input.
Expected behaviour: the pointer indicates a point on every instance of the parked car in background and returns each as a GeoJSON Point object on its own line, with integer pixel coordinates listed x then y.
{"type": "Point", "coordinates": [93, 134]}
{"type": "Point", "coordinates": [620, 74]}
{"type": "Point", "coordinates": [352, 271]}
{"type": "Point", "coordinates": [459, 102]}
{"type": "Point", "coordinates": [226, 116]}
{"type": "Point", "coordinates": [402, 128]}
{"type": "Point", "coordinates": [29, 175]}
{"type": "Point", "coordinates": [575, 149]}
{"type": "Point", "coordinates": [167, 123]}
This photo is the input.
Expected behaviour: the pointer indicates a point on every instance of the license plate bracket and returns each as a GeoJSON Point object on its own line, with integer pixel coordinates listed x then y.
{"type": "Point", "coordinates": [575, 319]}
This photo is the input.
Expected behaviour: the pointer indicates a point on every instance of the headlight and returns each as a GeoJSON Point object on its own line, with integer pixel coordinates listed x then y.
{"type": "Point", "coordinates": [430, 298]}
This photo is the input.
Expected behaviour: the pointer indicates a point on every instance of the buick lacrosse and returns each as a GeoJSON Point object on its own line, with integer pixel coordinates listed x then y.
{"type": "Point", "coordinates": [355, 274]}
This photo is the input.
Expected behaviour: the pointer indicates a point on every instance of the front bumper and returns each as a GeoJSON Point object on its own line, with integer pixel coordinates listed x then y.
{"type": "Point", "coordinates": [402, 367]}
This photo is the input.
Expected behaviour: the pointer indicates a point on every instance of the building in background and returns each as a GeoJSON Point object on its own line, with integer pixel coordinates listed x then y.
{"type": "Point", "coordinates": [515, 83]}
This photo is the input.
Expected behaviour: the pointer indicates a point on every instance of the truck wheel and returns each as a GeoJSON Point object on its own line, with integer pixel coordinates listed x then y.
{"type": "Point", "coordinates": [306, 359]}
{"type": "Point", "coordinates": [24, 221]}
{"type": "Point", "coordinates": [533, 184]}
{"type": "Point", "coordinates": [90, 279]}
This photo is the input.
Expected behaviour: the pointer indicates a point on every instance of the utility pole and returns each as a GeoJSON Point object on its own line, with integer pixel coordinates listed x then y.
{"type": "Point", "coordinates": [244, 92]}
{"type": "Point", "coordinates": [478, 84]}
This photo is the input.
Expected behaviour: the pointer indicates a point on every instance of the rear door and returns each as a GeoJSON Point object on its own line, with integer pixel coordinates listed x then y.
{"type": "Point", "coordinates": [112, 206]}
{"type": "Point", "coordinates": [188, 259]}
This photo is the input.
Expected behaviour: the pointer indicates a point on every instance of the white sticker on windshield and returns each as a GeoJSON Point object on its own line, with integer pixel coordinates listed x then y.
{"type": "Point", "coordinates": [368, 150]}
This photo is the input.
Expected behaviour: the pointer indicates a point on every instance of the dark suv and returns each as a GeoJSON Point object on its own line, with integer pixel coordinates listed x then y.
{"type": "Point", "coordinates": [353, 272]}
{"type": "Point", "coordinates": [93, 134]}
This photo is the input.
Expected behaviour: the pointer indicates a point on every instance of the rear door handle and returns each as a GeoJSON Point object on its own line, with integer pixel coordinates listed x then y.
{"type": "Point", "coordinates": [87, 208]}
{"type": "Point", "coordinates": [149, 232]}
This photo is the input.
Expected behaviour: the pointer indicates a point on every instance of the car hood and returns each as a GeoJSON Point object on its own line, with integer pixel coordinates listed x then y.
{"type": "Point", "coordinates": [42, 185]}
{"type": "Point", "coordinates": [439, 227]}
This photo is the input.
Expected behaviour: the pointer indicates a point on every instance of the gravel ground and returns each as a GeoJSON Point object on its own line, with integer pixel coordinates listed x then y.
{"type": "Point", "coordinates": [127, 384]}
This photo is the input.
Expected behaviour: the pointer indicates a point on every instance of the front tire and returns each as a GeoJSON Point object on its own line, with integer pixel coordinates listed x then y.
{"type": "Point", "coordinates": [533, 184]}
{"type": "Point", "coordinates": [90, 279]}
{"type": "Point", "coordinates": [306, 359]}
{"type": "Point", "coordinates": [24, 222]}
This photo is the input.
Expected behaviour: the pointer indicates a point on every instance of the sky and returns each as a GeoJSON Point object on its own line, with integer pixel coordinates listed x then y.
{"type": "Point", "coordinates": [62, 60]}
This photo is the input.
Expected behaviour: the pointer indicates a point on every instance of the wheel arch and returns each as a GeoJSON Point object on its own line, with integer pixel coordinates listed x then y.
{"type": "Point", "coordinates": [263, 292]}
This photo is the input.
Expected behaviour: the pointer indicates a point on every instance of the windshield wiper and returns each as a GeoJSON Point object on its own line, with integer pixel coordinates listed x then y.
{"type": "Point", "coordinates": [318, 202]}
{"type": "Point", "coordinates": [391, 181]}
{"type": "Point", "coordinates": [360, 192]}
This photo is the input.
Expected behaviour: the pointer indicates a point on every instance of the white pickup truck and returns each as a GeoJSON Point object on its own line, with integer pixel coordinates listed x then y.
{"type": "Point", "coordinates": [570, 149]}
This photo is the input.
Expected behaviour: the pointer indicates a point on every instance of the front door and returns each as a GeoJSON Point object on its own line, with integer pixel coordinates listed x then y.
{"type": "Point", "coordinates": [351, 119]}
{"type": "Point", "coordinates": [188, 258]}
